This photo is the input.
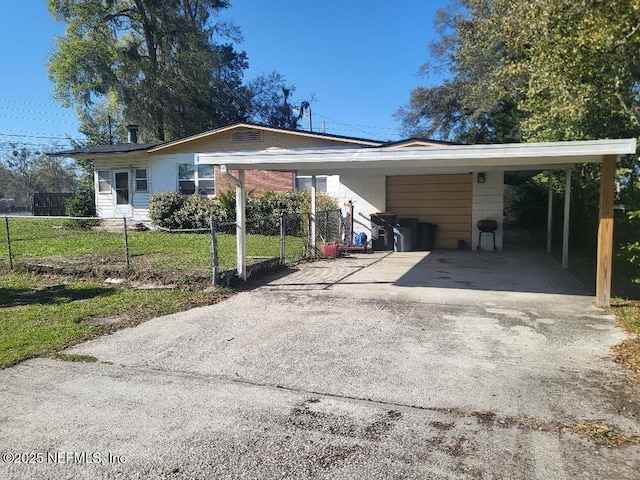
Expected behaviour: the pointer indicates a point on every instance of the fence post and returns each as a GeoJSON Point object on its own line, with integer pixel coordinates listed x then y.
{"type": "Point", "coordinates": [6, 226]}
{"type": "Point", "coordinates": [326, 226]}
{"type": "Point", "coordinates": [126, 243]}
{"type": "Point", "coordinates": [283, 231]}
{"type": "Point", "coordinates": [214, 251]}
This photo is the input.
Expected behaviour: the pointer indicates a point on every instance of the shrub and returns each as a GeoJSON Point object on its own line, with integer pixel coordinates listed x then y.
{"type": "Point", "coordinates": [629, 247]}
{"type": "Point", "coordinates": [81, 204]}
{"type": "Point", "coordinates": [173, 211]}
{"type": "Point", "coordinates": [163, 208]}
{"type": "Point", "coordinates": [196, 212]}
{"type": "Point", "coordinates": [227, 202]}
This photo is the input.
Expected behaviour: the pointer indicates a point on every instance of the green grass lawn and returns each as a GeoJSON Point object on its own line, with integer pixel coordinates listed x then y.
{"type": "Point", "coordinates": [161, 256]}
{"type": "Point", "coordinates": [40, 314]}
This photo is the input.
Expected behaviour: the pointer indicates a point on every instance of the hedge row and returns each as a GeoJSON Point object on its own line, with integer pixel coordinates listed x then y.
{"type": "Point", "coordinates": [173, 211]}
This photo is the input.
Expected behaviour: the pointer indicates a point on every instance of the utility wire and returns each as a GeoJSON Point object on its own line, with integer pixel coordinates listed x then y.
{"type": "Point", "coordinates": [37, 119]}
{"type": "Point", "coordinates": [24, 110]}
{"type": "Point", "coordinates": [43, 137]}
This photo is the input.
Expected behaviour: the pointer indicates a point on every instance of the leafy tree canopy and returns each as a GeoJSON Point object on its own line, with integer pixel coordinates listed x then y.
{"type": "Point", "coordinates": [538, 70]}
{"type": "Point", "coordinates": [160, 64]}
{"type": "Point", "coordinates": [271, 102]}
{"type": "Point", "coordinates": [25, 171]}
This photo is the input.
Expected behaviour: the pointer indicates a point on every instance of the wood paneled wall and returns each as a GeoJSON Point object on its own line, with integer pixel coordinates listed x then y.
{"type": "Point", "coordinates": [445, 200]}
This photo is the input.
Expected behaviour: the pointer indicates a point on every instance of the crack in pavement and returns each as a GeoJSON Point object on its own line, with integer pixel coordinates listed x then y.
{"type": "Point", "coordinates": [594, 430]}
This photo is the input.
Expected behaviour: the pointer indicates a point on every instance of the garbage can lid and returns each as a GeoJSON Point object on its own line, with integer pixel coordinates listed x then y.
{"type": "Point", "coordinates": [380, 214]}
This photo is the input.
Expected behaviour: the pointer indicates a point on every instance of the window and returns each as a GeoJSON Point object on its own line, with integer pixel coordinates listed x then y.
{"type": "Point", "coordinates": [195, 178]}
{"type": "Point", "coordinates": [142, 184]}
{"type": "Point", "coordinates": [205, 180]}
{"type": "Point", "coordinates": [104, 185]}
{"type": "Point", "coordinates": [304, 183]}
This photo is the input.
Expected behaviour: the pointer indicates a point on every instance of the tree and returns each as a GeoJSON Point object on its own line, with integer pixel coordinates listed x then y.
{"type": "Point", "coordinates": [53, 175]}
{"type": "Point", "coordinates": [271, 102]}
{"type": "Point", "coordinates": [477, 102]}
{"type": "Point", "coordinates": [160, 62]}
{"type": "Point", "coordinates": [25, 171]}
{"type": "Point", "coordinates": [543, 70]}
{"type": "Point", "coordinates": [536, 70]}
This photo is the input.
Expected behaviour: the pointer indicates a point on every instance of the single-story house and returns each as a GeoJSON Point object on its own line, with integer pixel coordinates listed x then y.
{"type": "Point", "coordinates": [126, 175]}
{"type": "Point", "coordinates": [453, 186]}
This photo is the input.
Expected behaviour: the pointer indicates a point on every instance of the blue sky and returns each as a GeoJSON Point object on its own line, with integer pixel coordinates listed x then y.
{"type": "Point", "coordinates": [358, 58]}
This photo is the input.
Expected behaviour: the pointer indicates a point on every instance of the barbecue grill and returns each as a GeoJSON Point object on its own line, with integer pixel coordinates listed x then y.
{"type": "Point", "coordinates": [487, 226]}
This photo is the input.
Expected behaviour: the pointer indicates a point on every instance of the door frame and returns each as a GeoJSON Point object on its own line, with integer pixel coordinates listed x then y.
{"type": "Point", "coordinates": [122, 210]}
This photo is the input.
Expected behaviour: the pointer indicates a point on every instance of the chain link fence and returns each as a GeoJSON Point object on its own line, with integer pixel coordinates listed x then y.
{"type": "Point", "coordinates": [103, 248]}
{"type": "Point", "coordinates": [282, 240]}
{"type": "Point", "coordinates": [118, 247]}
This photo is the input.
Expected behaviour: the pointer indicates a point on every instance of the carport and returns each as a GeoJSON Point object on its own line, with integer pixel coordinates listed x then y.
{"type": "Point", "coordinates": [479, 162]}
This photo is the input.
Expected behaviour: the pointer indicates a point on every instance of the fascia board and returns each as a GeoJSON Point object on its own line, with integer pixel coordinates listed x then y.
{"type": "Point", "coordinates": [507, 155]}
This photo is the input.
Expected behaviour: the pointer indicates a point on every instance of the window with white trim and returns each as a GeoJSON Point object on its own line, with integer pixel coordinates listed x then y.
{"type": "Point", "coordinates": [304, 183]}
{"type": "Point", "coordinates": [104, 181]}
{"type": "Point", "coordinates": [142, 182]}
{"type": "Point", "coordinates": [196, 178]}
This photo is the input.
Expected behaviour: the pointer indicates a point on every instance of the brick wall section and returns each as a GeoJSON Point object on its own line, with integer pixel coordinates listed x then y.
{"type": "Point", "coordinates": [257, 181]}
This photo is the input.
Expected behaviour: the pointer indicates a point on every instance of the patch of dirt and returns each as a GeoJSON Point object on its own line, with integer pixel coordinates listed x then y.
{"type": "Point", "coordinates": [304, 417]}
{"type": "Point", "coordinates": [444, 426]}
{"type": "Point", "coordinates": [110, 320]}
{"type": "Point", "coordinates": [377, 429]}
{"type": "Point", "coordinates": [627, 354]}
{"type": "Point", "coordinates": [598, 432]}
{"type": "Point", "coordinates": [72, 357]}
{"type": "Point", "coordinates": [328, 456]}
{"type": "Point", "coordinates": [603, 434]}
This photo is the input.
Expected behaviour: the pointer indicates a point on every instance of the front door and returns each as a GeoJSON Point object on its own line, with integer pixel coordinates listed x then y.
{"type": "Point", "coordinates": [123, 193]}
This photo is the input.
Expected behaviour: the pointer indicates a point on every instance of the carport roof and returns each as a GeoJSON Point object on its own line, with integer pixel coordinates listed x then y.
{"type": "Point", "coordinates": [520, 156]}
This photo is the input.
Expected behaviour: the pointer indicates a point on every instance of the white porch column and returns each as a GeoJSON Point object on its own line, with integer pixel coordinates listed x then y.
{"type": "Point", "coordinates": [313, 212]}
{"type": "Point", "coordinates": [565, 228]}
{"type": "Point", "coordinates": [241, 220]}
{"type": "Point", "coordinates": [550, 210]}
{"type": "Point", "coordinates": [241, 226]}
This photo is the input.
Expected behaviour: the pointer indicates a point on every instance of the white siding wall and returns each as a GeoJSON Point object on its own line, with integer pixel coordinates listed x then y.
{"type": "Point", "coordinates": [164, 169]}
{"type": "Point", "coordinates": [104, 201]}
{"type": "Point", "coordinates": [139, 200]}
{"type": "Point", "coordinates": [367, 193]}
{"type": "Point", "coordinates": [488, 203]}
{"type": "Point", "coordinates": [333, 185]}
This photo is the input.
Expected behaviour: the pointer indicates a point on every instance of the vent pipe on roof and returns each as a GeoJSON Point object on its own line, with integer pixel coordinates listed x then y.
{"type": "Point", "coordinates": [132, 133]}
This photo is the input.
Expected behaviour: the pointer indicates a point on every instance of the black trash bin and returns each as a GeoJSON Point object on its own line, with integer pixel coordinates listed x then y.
{"type": "Point", "coordinates": [426, 236]}
{"type": "Point", "coordinates": [411, 223]}
{"type": "Point", "coordinates": [402, 239]}
{"type": "Point", "coordinates": [382, 230]}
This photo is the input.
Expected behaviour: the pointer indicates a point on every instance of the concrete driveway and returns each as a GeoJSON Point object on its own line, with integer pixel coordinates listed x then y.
{"type": "Point", "coordinates": [451, 365]}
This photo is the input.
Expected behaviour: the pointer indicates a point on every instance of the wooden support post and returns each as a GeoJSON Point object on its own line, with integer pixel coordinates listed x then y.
{"type": "Point", "coordinates": [605, 231]}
